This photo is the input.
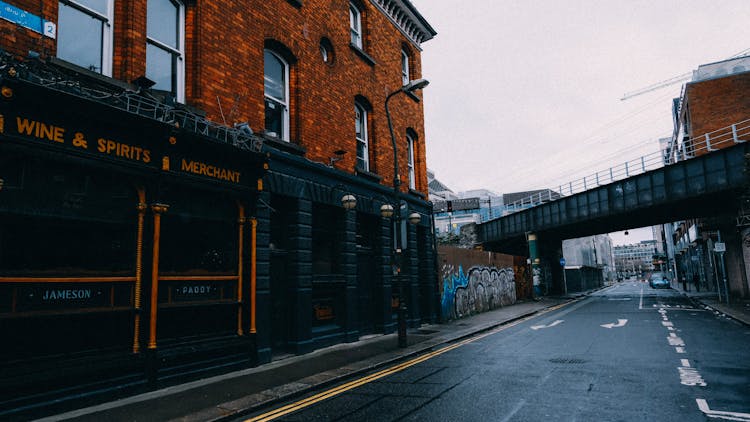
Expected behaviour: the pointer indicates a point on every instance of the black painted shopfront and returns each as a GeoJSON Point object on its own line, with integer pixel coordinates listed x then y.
{"type": "Point", "coordinates": [125, 249]}
{"type": "Point", "coordinates": [138, 249]}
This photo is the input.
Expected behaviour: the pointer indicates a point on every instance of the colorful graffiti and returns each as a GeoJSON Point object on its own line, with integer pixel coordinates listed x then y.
{"type": "Point", "coordinates": [479, 290]}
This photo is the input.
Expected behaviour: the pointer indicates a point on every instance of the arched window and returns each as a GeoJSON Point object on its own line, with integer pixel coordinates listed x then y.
{"type": "Point", "coordinates": [355, 25]}
{"type": "Point", "coordinates": [410, 148]}
{"type": "Point", "coordinates": [276, 91]}
{"type": "Point", "coordinates": [405, 78]}
{"type": "Point", "coordinates": [84, 34]}
{"type": "Point", "coordinates": [360, 124]}
{"type": "Point", "coordinates": [165, 51]}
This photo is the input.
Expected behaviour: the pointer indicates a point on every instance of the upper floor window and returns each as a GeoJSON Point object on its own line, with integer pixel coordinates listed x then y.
{"type": "Point", "coordinates": [355, 25]}
{"type": "Point", "coordinates": [360, 124]}
{"type": "Point", "coordinates": [84, 34]}
{"type": "Point", "coordinates": [405, 68]}
{"type": "Point", "coordinates": [410, 160]}
{"type": "Point", "coordinates": [276, 91]}
{"type": "Point", "coordinates": [165, 27]}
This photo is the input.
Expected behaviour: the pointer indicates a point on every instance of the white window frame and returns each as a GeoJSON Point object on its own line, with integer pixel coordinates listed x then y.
{"type": "Point", "coordinates": [285, 104]}
{"type": "Point", "coordinates": [355, 25]}
{"type": "Point", "coordinates": [179, 51]}
{"type": "Point", "coordinates": [410, 161]}
{"type": "Point", "coordinates": [405, 77]}
{"type": "Point", "coordinates": [108, 23]}
{"type": "Point", "coordinates": [365, 137]}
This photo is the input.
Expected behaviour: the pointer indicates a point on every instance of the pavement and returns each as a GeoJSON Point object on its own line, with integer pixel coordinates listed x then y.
{"type": "Point", "coordinates": [232, 395]}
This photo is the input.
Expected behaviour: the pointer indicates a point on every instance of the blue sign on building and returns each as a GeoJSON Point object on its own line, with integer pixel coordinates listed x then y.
{"type": "Point", "coordinates": [27, 20]}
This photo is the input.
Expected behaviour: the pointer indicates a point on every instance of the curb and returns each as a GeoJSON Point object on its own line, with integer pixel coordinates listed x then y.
{"type": "Point", "coordinates": [255, 402]}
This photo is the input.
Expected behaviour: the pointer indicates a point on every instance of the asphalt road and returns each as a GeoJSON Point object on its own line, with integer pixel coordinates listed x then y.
{"type": "Point", "coordinates": [626, 353]}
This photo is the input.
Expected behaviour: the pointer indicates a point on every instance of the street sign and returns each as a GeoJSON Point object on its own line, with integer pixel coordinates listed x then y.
{"type": "Point", "coordinates": [720, 247]}
{"type": "Point", "coordinates": [562, 262]}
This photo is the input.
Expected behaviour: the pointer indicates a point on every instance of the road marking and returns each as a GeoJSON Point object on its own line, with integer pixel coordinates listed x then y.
{"type": "Point", "coordinates": [675, 341]}
{"type": "Point", "coordinates": [732, 416]}
{"type": "Point", "coordinates": [667, 324]}
{"type": "Point", "coordinates": [536, 327]}
{"type": "Point", "coordinates": [620, 323]}
{"type": "Point", "coordinates": [335, 391]}
{"type": "Point", "coordinates": [679, 349]}
{"type": "Point", "coordinates": [640, 305]}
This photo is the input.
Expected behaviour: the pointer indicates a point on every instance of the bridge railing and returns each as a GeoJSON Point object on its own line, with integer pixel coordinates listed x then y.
{"type": "Point", "coordinates": [693, 147]}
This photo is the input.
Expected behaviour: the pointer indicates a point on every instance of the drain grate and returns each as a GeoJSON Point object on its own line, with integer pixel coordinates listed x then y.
{"type": "Point", "coordinates": [567, 360]}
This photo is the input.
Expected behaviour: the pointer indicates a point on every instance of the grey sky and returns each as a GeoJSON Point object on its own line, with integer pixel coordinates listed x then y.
{"type": "Point", "coordinates": [526, 94]}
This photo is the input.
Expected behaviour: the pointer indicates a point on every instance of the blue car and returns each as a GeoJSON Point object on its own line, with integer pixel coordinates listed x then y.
{"type": "Point", "coordinates": [659, 280]}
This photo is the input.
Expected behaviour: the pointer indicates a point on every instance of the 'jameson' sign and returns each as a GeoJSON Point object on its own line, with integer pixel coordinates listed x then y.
{"type": "Point", "coordinates": [56, 297]}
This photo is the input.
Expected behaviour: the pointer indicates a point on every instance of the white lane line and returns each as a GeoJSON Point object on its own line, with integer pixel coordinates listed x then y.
{"type": "Point", "coordinates": [685, 363]}
{"type": "Point", "coordinates": [732, 416]}
{"type": "Point", "coordinates": [679, 349]}
{"type": "Point", "coordinates": [667, 324]}
{"type": "Point", "coordinates": [640, 305]}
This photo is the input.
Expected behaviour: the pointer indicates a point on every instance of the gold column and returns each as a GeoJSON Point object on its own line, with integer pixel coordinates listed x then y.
{"type": "Point", "coordinates": [240, 240]}
{"type": "Point", "coordinates": [158, 210]}
{"type": "Point", "coordinates": [253, 275]}
{"type": "Point", "coordinates": [139, 270]}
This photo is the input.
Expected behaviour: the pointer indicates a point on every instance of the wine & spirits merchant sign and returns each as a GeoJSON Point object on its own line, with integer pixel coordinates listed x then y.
{"type": "Point", "coordinates": [27, 20]}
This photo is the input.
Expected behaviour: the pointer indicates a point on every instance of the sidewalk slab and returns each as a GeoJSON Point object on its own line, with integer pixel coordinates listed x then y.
{"type": "Point", "coordinates": [230, 395]}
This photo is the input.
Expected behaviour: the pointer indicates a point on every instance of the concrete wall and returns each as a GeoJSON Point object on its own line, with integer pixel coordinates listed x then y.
{"type": "Point", "coordinates": [474, 281]}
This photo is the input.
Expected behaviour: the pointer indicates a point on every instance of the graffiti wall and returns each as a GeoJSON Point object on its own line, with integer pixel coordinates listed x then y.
{"type": "Point", "coordinates": [475, 281]}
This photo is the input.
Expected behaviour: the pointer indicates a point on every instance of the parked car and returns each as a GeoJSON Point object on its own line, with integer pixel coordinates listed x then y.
{"type": "Point", "coordinates": [659, 280]}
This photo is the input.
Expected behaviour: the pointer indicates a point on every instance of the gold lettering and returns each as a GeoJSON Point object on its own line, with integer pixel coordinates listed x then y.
{"type": "Point", "coordinates": [146, 156]}
{"type": "Point", "coordinates": [102, 145]}
{"type": "Point", "coordinates": [79, 141]}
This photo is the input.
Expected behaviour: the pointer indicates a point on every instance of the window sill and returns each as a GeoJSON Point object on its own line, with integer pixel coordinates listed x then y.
{"type": "Point", "coordinates": [283, 146]}
{"type": "Point", "coordinates": [416, 193]}
{"type": "Point", "coordinates": [60, 63]}
{"type": "Point", "coordinates": [367, 175]}
{"type": "Point", "coordinates": [364, 56]}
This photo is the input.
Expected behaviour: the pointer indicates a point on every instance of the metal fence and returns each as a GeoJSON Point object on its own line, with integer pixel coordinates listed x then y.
{"type": "Point", "coordinates": [689, 148]}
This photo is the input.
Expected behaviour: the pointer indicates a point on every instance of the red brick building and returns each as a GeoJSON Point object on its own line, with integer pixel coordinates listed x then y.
{"type": "Point", "coordinates": [713, 113]}
{"type": "Point", "coordinates": [178, 180]}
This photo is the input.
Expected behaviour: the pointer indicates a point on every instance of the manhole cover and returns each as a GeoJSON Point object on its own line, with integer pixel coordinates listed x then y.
{"type": "Point", "coordinates": [567, 360]}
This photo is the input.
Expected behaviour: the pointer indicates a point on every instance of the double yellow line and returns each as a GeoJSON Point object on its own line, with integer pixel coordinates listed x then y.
{"type": "Point", "coordinates": [309, 401]}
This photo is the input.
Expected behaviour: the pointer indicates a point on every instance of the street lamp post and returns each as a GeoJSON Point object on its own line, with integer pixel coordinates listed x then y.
{"type": "Point", "coordinates": [396, 210]}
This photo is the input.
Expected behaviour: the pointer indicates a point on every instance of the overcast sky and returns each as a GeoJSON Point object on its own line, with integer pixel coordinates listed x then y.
{"type": "Point", "coordinates": [525, 94]}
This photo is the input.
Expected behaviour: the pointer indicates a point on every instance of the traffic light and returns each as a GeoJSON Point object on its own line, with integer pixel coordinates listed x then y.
{"type": "Point", "coordinates": [450, 206]}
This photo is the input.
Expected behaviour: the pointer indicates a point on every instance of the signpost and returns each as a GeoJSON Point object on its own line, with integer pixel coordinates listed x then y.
{"type": "Point", "coordinates": [565, 277]}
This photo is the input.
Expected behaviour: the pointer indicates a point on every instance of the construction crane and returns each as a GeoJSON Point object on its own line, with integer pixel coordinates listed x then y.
{"type": "Point", "coordinates": [671, 81]}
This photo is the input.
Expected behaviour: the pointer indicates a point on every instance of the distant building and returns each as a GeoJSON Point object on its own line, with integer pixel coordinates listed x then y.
{"type": "Point", "coordinates": [634, 260]}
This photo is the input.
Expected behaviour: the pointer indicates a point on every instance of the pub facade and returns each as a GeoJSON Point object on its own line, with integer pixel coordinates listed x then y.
{"type": "Point", "coordinates": [179, 198]}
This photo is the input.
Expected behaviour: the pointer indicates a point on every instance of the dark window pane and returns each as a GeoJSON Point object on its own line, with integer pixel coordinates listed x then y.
{"type": "Point", "coordinates": [162, 22]}
{"type": "Point", "coordinates": [97, 5]}
{"type": "Point", "coordinates": [160, 67]}
{"type": "Point", "coordinates": [274, 76]}
{"type": "Point", "coordinates": [79, 38]}
{"type": "Point", "coordinates": [274, 118]}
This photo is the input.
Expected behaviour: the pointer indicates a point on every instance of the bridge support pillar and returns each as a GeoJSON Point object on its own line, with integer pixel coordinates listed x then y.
{"type": "Point", "coordinates": [546, 272]}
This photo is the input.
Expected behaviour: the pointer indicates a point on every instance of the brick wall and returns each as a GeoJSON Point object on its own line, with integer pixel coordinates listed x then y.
{"type": "Point", "coordinates": [716, 104]}
{"type": "Point", "coordinates": [224, 65]}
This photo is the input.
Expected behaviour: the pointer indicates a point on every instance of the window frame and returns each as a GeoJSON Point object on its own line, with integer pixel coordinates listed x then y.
{"type": "Point", "coordinates": [365, 140]}
{"type": "Point", "coordinates": [178, 53]}
{"type": "Point", "coordinates": [405, 68]}
{"type": "Point", "coordinates": [284, 136]}
{"type": "Point", "coordinates": [410, 160]}
{"type": "Point", "coordinates": [355, 26]}
{"type": "Point", "coordinates": [107, 49]}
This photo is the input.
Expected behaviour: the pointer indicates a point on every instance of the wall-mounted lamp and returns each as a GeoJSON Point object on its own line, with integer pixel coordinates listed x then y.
{"type": "Point", "coordinates": [349, 201]}
{"type": "Point", "coordinates": [244, 128]}
{"type": "Point", "coordinates": [414, 218]}
{"type": "Point", "coordinates": [386, 210]}
{"type": "Point", "coordinates": [339, 156]}
{"type": "Point", "coordinates": [1, 184]}
{"type": "Point", "coordinates": [626, 233]}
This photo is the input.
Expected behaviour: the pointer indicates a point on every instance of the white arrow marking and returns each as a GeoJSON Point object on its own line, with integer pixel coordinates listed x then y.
{"type": "Point", "coordinates": [536, 327]}
{"type": "Point", "coordinates": [620, 323]}
{"type": "Point", "coordinates": [732, 416]}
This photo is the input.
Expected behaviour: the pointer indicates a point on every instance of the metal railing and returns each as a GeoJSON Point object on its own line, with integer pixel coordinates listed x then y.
{"type": "Point", "coordinates": [690, 148]}
{"type": "Point", "coordinates": [139, 102]}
